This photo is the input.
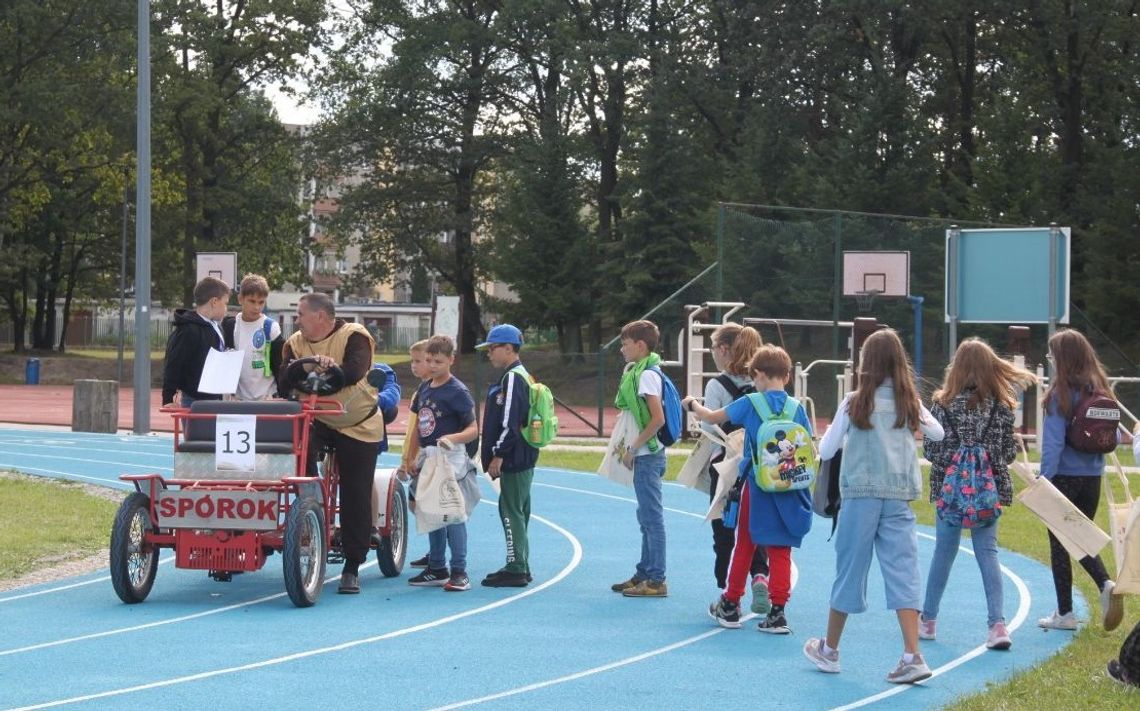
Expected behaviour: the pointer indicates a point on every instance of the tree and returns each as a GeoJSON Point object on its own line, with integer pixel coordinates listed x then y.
{"type": "Point", "coordinates": [411, 137]}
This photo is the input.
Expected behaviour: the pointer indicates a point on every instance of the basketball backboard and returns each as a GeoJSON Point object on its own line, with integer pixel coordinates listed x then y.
{"type": "Point", "coordinates": [222, 265]}
{"type": "Point", "coordinates": [878, 273]}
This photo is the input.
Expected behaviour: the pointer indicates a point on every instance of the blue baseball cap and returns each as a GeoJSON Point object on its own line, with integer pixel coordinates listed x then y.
{"type": "Point", "coordinates": [503, 333]}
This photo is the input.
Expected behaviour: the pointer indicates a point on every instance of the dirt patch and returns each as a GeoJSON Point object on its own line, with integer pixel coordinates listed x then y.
{"type": "Point", "coordinates": [63, 565]}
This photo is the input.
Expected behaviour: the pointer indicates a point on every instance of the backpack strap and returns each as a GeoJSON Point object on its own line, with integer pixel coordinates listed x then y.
{"type": "Point", "coordinates": [267, 328]}
{"type": "Point", "coordinates": [760, 404]}
{"type": "Point", "coordinates": [730, 387]}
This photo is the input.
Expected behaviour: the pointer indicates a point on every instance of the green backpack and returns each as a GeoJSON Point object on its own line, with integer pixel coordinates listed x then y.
{"type": "Point", "coordinates": [542, 423]}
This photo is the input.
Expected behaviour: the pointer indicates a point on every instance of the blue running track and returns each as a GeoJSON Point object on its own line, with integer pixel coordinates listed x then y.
{"type": "Point", "coordinates": [564, 642]}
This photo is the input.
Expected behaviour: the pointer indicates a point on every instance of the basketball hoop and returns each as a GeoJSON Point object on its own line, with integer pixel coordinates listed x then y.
{"type": "Point", "coordinates": [866, 299]}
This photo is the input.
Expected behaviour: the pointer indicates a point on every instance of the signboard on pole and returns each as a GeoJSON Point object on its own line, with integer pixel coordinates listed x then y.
{"type": "Point", "coordinates": [445, 318]}
{"type": "Point", "coordinates": [222, 265]}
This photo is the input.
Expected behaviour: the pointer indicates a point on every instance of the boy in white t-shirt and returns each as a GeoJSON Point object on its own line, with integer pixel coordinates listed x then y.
{"type": "Point", "coordinates": [259, 337]}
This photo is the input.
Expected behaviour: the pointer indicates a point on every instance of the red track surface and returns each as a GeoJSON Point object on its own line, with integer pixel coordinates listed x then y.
{"type": "Point", "coordinates": [51, 405]}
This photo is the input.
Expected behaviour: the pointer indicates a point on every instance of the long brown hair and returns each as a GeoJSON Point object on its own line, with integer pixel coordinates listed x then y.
{"type": "Point", "coordinates": [742, 342]}
{"type": "Point", "coordinates": [1075, 367]}
{"type": "Point", "coordinates": [975, 365]}
{"type": "Point", "coordinates": [882, 357]}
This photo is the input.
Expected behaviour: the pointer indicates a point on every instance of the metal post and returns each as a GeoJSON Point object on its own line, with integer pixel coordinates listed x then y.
{"type": "Point", "coordinates": [601, 390]}
{"type": "Point", "coordinates": [916, 303]}
{"type": "Point", "coordinates": [123, 278]}
{"type": "Point", "coordinates": [720, 253]}
{"type": "Point", "coordinates": [142, 229]}
{"type": "Point", "coordinates": [952, 287]}
{"type": "Point", "coordinates": [1054, 233]}
{"type": "Point", "coordinates": [837, 285]}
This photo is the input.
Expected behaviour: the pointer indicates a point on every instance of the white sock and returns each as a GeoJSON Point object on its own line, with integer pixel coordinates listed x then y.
{"type": "Point", "coordinates": [828, 651]}
{"type": "Point", "coordinates": [908, 657]}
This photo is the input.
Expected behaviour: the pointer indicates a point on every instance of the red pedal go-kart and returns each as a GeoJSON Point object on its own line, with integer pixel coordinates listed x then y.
{"type": "Point", "coordinates": [226, 521]}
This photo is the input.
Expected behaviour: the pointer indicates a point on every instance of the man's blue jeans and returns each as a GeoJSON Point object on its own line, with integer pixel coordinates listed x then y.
{"type": "Point", "coordinates": [648, 470]}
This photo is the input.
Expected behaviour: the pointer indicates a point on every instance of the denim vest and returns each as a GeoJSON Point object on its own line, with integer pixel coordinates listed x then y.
{"type": "Point", "coordinates": [882, 462]}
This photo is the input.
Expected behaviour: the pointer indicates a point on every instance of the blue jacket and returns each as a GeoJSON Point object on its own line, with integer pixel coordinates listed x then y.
{"type": "Point", "coordinates": [1057, 457]}
{"type": "Point", "coordinates": [504, 415]}
{"type": "Point", "coordinates": [387, 400]}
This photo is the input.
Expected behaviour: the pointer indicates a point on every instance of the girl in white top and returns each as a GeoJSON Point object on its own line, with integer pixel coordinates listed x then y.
{"type": "Point", "coordinates": [878, 477]}
{"type": "Point", "coordinates": [733, 347]}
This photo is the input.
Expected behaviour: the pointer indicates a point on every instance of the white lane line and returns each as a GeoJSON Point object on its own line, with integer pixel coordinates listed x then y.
{"type": "Point", "coordinates": [157, 623]}
{"type": "Point", "coordinates": [88, 447]}
{"type": "Point", "coordinates": [57, 474]}
{"type": "Point", "coordinates": [83, 461]}
{"type": "Point", "coordinates": [1026, 600]}
{"type": "Point", "coordinates": [616, 498]}
{"type": "Point", "coordinates": [575, 560]}
{"type": "Point", "coordinates": [61, 588]}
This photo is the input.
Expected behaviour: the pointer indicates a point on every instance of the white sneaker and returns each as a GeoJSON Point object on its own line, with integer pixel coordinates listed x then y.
{"type": "Point", "coordinates": [998, 637]}
{"type": "Point", "coordinates": [927, 629]}
{"type": "Point", "coordinates": [813, 650]}
{"type": "Point", "coordinates": [1111, 607]}
{"type": "Point", "coordinates": [1067, 621]}
{"type": "Point", "coordinates": [910, 672]}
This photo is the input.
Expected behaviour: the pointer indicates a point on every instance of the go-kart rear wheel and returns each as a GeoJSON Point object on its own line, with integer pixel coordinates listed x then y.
{"type": "Point", "coordinates": [303, 555]}
{"type": "Point", "coordinates": [133, 560]}
{"type": "Point", "coordinates": [393, 547]}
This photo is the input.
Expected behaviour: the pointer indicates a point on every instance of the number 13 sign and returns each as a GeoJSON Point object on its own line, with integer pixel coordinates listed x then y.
{"type": "Point", "coordinates": [235, 443]}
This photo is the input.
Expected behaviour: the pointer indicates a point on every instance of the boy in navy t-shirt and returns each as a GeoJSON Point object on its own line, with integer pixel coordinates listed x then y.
{"type": "Point", "coordinates": [445, 418]}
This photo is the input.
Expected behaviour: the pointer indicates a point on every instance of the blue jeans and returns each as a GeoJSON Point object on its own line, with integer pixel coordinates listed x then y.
{"type": "Point", "coordinates": [883, 528]}
{"type": "Point", "coordinates": [453, 536]}
{"type": "Point", "coordinates": [648, 470]}
{"type": "Point", "coordinates": [946, 542]}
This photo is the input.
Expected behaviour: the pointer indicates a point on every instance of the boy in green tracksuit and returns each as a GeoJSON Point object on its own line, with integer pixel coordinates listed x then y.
{"type": "Point", "coordinates": [506, 455]}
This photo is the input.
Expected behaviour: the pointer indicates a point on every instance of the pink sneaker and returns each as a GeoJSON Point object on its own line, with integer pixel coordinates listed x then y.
{"type": "Point", "coordinates": [927, 628]}
{"type": "Point", "coordinates": [998, 637]}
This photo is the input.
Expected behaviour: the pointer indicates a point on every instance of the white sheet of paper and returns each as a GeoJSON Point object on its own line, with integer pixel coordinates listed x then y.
{"type": "Point", "coordinates": [221, 372]}
{"type": "Point", "coordinates": [235, 443]}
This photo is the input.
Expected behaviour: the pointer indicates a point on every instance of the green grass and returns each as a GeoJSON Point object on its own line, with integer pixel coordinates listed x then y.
{"type": "Point", "coordinates": [67, 523]}
{"type": "Point", "coordinates": [71, 521]}
{"type": "Point", "coordinates": [110, 353]}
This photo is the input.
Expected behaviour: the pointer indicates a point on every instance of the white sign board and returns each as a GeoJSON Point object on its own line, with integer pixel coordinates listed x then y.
{"type": "Point", "coordinates": [222, 265]}
{"type": "Point", "coordinates": [235, 443]}
{"type": "Point", "coordinates": [446, 317]}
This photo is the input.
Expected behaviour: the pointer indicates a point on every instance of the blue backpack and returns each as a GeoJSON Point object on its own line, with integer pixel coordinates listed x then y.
{"type": "Point", "coordinates": [969, 496]}
{"type": "Point", "coordinates": [670, 432]}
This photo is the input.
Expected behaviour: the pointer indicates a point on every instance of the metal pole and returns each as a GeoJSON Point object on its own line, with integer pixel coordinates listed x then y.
{"type": "Point", "coordinates": [916, 302]}
{"type": "Point", "coordinates": [142, 229]}
{"type": "Point", "coordinates": [837, 285]}
{"type": "Point", "coordinates": [1054, 233]}
{"type": "Point", "coordinates": [720, 253]}
{"type": "Point", "coordinates": [952, 237]}
{"type": "Point", "coordinates": [123, 279]}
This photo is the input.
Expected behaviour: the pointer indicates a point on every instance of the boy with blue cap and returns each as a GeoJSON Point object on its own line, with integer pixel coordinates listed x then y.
{"type": "Point", "coordinates": [506, 455]}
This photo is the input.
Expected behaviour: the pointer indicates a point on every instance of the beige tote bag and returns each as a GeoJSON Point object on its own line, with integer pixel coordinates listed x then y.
{"type": "Point", "coordinates": [1122, 520]}
{"type": "Point", "coordinates": [1079, 535]}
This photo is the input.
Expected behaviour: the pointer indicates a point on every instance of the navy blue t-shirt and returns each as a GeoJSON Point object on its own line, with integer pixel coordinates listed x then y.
{"type": "Point", "coordinates": [443, 411]}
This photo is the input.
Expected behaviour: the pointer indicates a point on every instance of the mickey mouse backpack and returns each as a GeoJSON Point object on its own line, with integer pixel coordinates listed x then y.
{"type": "Point", "coordinates": [782, 456]}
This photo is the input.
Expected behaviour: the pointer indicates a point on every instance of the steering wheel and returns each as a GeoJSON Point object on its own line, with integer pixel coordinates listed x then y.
{"type": "Point", "coordinates": [306, 375]}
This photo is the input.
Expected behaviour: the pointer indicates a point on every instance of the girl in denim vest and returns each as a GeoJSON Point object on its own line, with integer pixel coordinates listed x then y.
{"type": "Point", "coordinates": [875, 426]}
{"type": "Point", "coordinates": [974, 406]}
{"type": "Point", "coordinates": [1076, 372]}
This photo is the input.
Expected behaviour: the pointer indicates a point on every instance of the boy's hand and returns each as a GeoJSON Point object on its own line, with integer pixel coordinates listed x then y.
{"type": "Point", "coordinates": [445, 444]}
{"type": "Point", "coordinates": [627, 458]}
{"type": "Point", "coordinates": [495, 468]}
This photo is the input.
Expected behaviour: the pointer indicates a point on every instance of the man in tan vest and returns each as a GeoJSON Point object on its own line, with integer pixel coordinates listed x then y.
{"type": "Point", "coordinates": [354, 436]}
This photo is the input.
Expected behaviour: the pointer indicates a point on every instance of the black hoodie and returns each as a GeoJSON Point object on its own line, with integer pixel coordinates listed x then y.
{"type": "Point", "coordinates": [186, 349]}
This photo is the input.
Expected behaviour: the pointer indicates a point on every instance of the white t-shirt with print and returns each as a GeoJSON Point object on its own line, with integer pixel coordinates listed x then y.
{"type": "Point", "coordinates": [249, 336]}
{"type": "Point", "coordinates": [649, 384]}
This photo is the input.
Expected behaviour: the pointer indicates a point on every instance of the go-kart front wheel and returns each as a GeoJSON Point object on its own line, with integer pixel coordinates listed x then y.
{"type": "Point", "coordinates": [133, 560]}
{"type": "Point", "coordinates": [393, 547]}
{"type": "Point", "coordinates": [304, 551]}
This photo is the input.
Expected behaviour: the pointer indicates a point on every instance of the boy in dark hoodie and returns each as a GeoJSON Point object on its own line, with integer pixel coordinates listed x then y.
{"type": "Point", "coordinates": [195, 333]}
{"type": "Point", "coordinates": [506, 455]}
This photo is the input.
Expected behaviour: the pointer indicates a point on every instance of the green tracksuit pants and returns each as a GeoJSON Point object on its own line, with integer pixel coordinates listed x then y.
{"type": "Point", "coordinates": [514, 510]}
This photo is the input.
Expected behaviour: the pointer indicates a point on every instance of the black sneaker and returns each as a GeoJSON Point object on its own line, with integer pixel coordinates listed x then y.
{"type": "Point", "coordinates": [726, 613]}
{"type": "Point", "coordinates": [506, 579]}
{"type": "Point", "coordinates": [419, 562]}
{"type": "Point", "coordinates": [430, 578]}
{"type": "Point", "coordinates": [1116, 673]}
{"type": "Point", "coordinates": [374, 537]}
{"type": "Point", "coordinates": [775, 622]}
{"type": "Point", "coordinates": [458, 582]}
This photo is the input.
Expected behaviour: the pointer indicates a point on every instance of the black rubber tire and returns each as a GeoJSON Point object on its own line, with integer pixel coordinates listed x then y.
{"type": "Point", "coordinates": [393, 548]}
{"type": "Point", "coordinates": [303, 555]}
{"type": "Point", "coordinates": [133, 562]}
